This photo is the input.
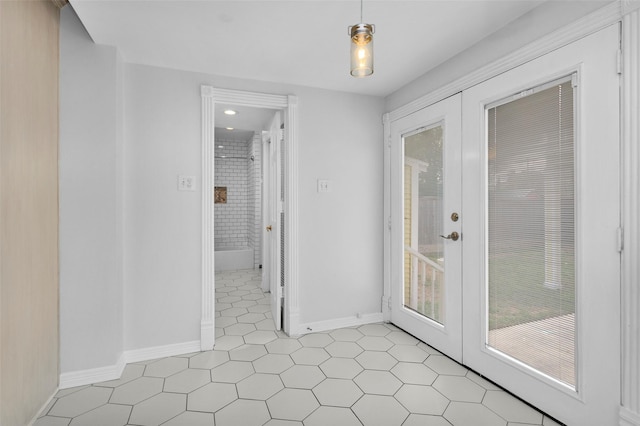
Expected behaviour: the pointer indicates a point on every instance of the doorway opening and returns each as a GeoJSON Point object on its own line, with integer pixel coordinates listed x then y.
{"type": "Point", "coordinates": [247, 234]}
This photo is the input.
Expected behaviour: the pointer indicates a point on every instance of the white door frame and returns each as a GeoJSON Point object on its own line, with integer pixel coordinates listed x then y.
{"type": "Point", "coordinates": [289, 104]}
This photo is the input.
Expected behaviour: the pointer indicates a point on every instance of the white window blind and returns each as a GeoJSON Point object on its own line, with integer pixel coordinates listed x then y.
{"type": "Point", "coordinates": [531, 216]}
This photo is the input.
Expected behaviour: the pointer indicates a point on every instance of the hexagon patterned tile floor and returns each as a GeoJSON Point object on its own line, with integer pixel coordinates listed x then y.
{"type": "Point", "coordinates": [370, 375]}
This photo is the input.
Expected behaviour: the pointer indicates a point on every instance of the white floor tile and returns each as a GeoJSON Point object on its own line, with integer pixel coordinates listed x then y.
{"type": "Point", "coordinates": [158, 409]}
{"type": "Point", "coordinates": [375, 343]}
{"type": "Point", "coordinates": [378, 382]}
{"type": "Point", "coordinates": [412, 373]}
{"type": "Point", "coordinates": [273, 363]}
{"type": "Point", "coordinates": [187, 381]}
{"type": "Point", "coordinates": [422, 399]}
{"type": "Point", "coordinates": [310, 356]}
{"type": "Point", "coordinates": [209, 359]}
{"type": "Point", "coordinates": [468, 413]}
{"type": "Point", "coordinates": [376, 410]}
{"type": "Point", "coordinates": [344, 349]}
{"type": "Point", "coordinates": [316, 340]}
{"type": "Point", "coordinates": [368, 375]}
{"type": "Point", "coordinates": [52, 421]}
{"type": "Point", "coordinates": [80, 402]}
{"type": "Point", "coordinates": [259, 386]}
{"type": "Point", "coordinates": [166, 367]}
{"type": "Point", "coordinates": [243, 412]}
{"type": "Point", "coordinates": [106, 415]}
{"type": "Point", "coordinates": [292, 404]}
{"type": "Point", "coordinates": [408, 353]}
{"type": "Point", "coordinates": [460, 389]}
{"type": "Point", "coordinates": [372, 360]}
{"type": "Point", "coordinates": [346, 335]}
{"type": "Point", "coordinates": [425, 420]}
{"type": "Point", "coordinates": [232, 372]}
{"type": "Point", "coordinates": [337, 393]}
{"type": "Point", "coordinates": [341, 368]}
{"type": "Point", "coordinates": [212, 397]}
{"type": "Point", "coordinates": [302, 376]}
{"type": "Point", "coordinates": [137, 390]}
{"type": "Point", "coordinates": [374, 330]}
{"type": "Point", "coordinates": [191, 418]}
{"type": "Point", "coordinates": [283, 346]}
{"type": "Point", "coordinates": [324, 416]}
{"type": "Point", "coordinates": [510, 408]}
{"type": "Point", "coordinates": [443, 365]}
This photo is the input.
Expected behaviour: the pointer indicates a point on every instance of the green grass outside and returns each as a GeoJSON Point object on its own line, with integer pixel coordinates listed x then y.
{"type": "Point", "coordinates": [517, 293]}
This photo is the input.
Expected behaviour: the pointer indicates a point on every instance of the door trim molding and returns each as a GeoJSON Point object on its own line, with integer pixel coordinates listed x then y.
{"type": "Point", "coordinates": [289, 104]}
{"type": "Point", "coordinates": [630, 368]}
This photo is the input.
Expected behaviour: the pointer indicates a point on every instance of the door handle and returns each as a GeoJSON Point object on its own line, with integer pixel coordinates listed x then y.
{"type": "Point", "coordinates": [269, 228]}
{"type": "Point", "coordinates": [452, 236]}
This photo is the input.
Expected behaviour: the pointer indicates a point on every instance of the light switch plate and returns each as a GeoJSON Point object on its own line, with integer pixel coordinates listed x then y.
{"type": "Point", "coordinates": [324, 185]}
{"type": "Point", "coordinates": [186, 183]}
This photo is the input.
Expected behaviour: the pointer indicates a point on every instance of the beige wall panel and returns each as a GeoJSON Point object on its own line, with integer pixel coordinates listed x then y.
{"type": "Point", "coordinates": [28, 207]}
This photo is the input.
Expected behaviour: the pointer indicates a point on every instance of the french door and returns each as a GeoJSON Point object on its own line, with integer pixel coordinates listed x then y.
{"type": "Point", "coordinates": [426, 211]}
{"type": "Point", "coordinates": [528, 294]}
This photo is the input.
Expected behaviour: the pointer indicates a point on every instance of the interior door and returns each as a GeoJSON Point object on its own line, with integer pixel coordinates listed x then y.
{"type": "Point", "coordinates": [266, 213]}
{"type": "Point", "coordinates": [274, 227]}
{"type": "Point", "coordinates": [541, 261]}
{"type": "Point", "coordinates": [426, 231]}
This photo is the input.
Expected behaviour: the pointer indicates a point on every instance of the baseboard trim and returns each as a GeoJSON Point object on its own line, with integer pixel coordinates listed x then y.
{"type": "Point", "coordinates": [92, 375]}
{"type": "Point", "coordinates": [207, 335]}
{"type": "Point", "coordinates": [113, 372]}
{"type": "Point", "coordinates": [154, 352]}
{"type": "Point", "coordinates": [333, 324]}
{"type": "Point", "coordinates": [628, 417]}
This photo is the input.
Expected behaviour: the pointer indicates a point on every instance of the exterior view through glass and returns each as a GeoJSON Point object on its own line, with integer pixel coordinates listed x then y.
{"type": "Point", "coordinates": [531, 283]}
{"type": "Point", "coordinates": [424, 261]}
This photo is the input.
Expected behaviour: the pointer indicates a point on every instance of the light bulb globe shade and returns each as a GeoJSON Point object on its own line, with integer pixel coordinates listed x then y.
{"type": "Point", "coordinates": [361, 49]}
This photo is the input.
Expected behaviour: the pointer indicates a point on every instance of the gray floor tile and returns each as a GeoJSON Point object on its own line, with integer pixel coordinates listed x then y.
{"type": "Point", "coordinates": [370, 375]}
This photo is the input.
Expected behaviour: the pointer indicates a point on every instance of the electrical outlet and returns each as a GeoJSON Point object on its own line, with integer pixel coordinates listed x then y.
{"type": "Point", "coordinates": [324, 185]}
{"type": "Point", "coordinates": [186, 183]}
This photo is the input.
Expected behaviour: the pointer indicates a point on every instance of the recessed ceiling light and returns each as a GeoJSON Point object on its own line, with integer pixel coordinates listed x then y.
{"type": "Point", "coordinates": [230, 112]}
{"type": "Point", "coordinates": [220, 146]}
{"type": "Point", "coordinates": [229, 128]}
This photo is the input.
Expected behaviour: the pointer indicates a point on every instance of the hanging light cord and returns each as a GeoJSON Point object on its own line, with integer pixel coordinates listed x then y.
{"type": "Point", "coordinates": [361, 3]}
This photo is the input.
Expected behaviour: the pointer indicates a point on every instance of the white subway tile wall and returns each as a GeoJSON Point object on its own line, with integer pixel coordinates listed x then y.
{"type": "Point", "coordinates": [231, 170]}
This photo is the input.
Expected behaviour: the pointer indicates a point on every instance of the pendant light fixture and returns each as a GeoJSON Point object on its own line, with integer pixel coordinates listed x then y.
{"type": "Point", "coordinates": [361, 47]}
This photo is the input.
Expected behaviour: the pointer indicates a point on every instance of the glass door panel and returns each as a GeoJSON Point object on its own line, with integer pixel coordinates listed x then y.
{"type": "Point", "coordinates": [423, 224]}
{"type": "Point", "coordinates": [531, 251]}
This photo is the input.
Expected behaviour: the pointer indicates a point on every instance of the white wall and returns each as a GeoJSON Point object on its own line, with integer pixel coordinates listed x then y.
{"type": "Point", "coordinates": [540, 21]}
{"type": "Point", "coordinates": [90, 161]}
{"type": "Point", "coordinates": [340, 232]}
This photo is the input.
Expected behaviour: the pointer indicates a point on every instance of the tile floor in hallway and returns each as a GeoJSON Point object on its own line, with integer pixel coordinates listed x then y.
{"type": "Point", "coordinates": [372, 375]}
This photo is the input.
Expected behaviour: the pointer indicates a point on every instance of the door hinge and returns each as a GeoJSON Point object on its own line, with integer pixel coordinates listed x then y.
{"type": "Point", "coordinates": [620, 239]}
{"type": "Point", "coordinates": [619, 61]}
{"type": "Point", "coordinates": [389, 223]}
{"type": "Point", "coordinates": [280, 292]}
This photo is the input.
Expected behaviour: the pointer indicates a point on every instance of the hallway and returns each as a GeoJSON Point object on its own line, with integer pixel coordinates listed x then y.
{"type": "Point", "coordinates": [372, 375]}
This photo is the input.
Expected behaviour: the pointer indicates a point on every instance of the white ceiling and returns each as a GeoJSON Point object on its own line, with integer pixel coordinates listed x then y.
{"type": "Point", "coordinates": [302, 42]}
{"type": "Point", "coordinates": [246, 121]}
